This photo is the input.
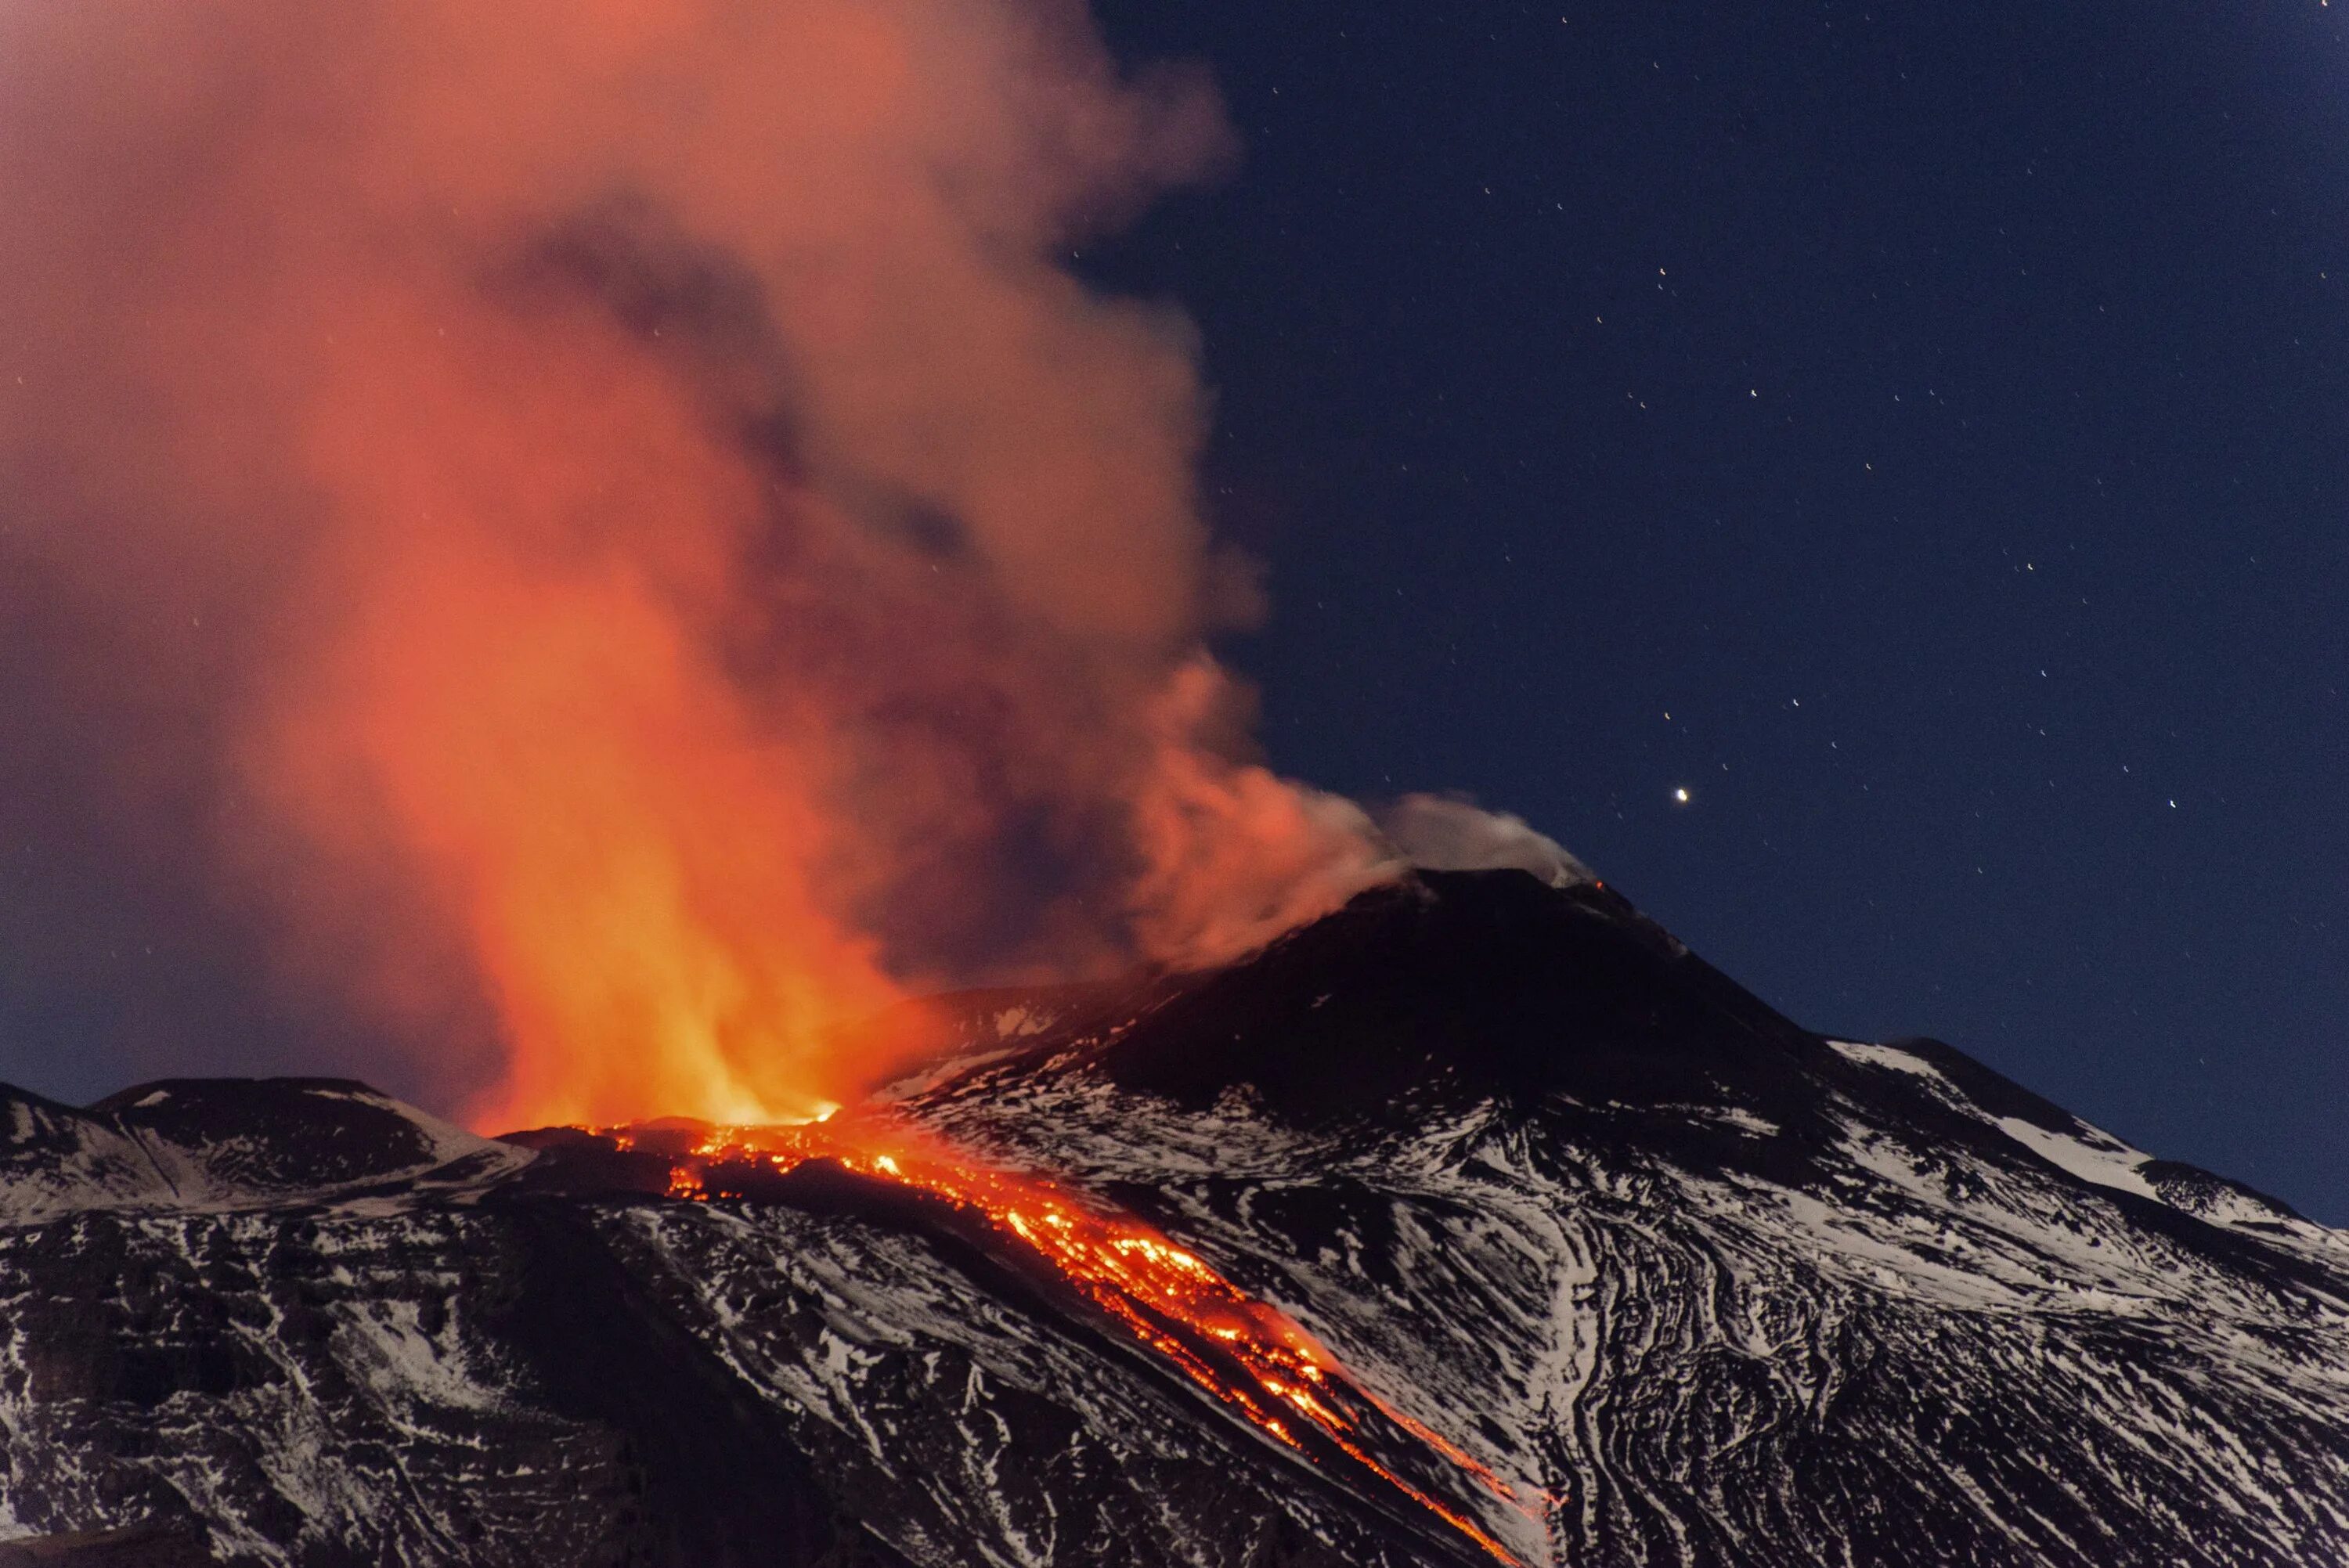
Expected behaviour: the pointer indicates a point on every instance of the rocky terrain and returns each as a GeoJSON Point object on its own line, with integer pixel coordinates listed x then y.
{"type": "Point", "coordinates": [1620, 1267]}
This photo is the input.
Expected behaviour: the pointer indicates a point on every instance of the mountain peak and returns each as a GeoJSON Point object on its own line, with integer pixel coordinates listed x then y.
{"type": "Point", "coordinates": [1486, 981]}
{"type": "Point", "coordinates": [1607, 1258]}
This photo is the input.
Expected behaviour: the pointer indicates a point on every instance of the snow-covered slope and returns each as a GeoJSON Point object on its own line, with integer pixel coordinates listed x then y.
{"type": "Point", "coordinates": [1701, 1287]}
{"type": "Point", "coordinates": [197, 1145]}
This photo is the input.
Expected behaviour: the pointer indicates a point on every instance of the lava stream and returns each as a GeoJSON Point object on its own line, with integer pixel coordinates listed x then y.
{"type": "Point", "coordinates": [1248, 1354]}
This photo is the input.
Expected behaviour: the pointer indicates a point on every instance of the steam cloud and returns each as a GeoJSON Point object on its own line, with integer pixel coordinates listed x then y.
{"type": "Point", "coordinates": [599, 536]}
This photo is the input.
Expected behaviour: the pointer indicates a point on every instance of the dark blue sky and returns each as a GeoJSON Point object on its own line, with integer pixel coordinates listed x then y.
{"type": "Point", "coordinates": [1918, 432]}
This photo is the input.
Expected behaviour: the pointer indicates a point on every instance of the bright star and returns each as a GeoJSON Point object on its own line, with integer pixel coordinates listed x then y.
{"type": "Point", "coordinates": [1681, 795]}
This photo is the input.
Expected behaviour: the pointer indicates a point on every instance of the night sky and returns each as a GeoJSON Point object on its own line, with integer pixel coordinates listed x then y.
{"type": "Point", "coordinates": [1916, 432]}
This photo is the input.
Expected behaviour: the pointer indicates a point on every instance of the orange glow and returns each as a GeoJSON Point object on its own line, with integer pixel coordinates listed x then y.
{"type": "Point", "coordinates": [1245, 1353]}
{"type": "Point", "coordinates": [669, 557]}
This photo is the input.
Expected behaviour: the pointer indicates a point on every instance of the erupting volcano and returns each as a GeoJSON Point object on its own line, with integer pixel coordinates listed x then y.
{"type": "Point", "coordinates": [602, 565]}
{"type": "Point", "coordinates": [662, 564]}
{"type": "Point", "coordinates": [1477, 1221]}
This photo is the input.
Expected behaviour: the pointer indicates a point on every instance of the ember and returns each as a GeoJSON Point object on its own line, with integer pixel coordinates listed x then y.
{"type": "Point", "coordinates": [1245, 1353]}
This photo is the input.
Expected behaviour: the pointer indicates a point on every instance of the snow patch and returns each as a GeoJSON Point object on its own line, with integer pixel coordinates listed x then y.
{"type": "Point", "coordinates": [2098, 1157]}
{"type": "Point", "coordinates": [1893, 1059]}
{"type": "Point", "coordinates": [1013, 1022]}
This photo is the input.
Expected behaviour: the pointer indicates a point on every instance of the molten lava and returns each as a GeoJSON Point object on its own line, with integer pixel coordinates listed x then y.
{"type": "Point", "coordinates": [1248, 1355]}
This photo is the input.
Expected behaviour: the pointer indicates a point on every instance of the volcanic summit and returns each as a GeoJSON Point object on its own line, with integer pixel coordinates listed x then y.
{"type": "Point", "coordinates": [1476, 1221]}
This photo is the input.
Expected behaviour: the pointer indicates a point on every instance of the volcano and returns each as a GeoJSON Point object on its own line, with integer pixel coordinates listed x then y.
{"type": "Point", "coordinates": [1582, 1254]}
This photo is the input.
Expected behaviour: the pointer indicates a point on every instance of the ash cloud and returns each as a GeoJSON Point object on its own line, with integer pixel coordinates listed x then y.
{"type": "Point", "coordinates": [557, 553]}
{"type": "Point", "coordinates": [580, 546]}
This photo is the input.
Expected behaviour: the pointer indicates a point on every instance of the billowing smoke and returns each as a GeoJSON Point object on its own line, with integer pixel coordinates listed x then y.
{"type": "Point", "coordinates": [1448, 832]}
{"type": "Point", "coordinates": [601, 536]}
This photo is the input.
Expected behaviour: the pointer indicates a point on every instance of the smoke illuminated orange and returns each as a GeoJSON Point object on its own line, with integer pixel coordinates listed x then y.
{"type": "Point", "coordinates": [657, 551]}
{"type": "Point", "coordinates": [1248, 1355]}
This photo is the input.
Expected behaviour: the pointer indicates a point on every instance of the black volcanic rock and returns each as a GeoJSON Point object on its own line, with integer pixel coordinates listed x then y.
{"type": "Point", "coordinates": [178, 1544]}
{"type": "Point", "coordinates": [1485, 982]}
{"type": "Point", "coordinates": [1699, 1286]}
{"type": "Point", "coordinates": [288, 1133]}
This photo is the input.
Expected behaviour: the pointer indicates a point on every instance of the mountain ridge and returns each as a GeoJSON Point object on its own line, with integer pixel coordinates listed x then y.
{"type": "Point", "coordinates": [1694, 1284]}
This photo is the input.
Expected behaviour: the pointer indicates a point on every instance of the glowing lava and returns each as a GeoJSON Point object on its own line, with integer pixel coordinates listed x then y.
{"type": "Point", "coordinates": [1248, 1355]}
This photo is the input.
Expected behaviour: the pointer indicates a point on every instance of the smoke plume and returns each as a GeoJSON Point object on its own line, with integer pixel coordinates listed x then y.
{"type": "Point", "coordinates": [600, 538]}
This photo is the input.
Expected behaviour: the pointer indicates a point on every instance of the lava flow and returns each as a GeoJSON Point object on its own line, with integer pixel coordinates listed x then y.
{"type": "Point", "coordinates": [1248, 1354]}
